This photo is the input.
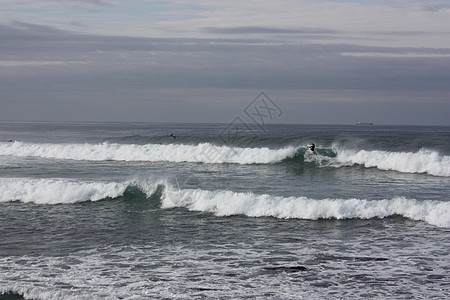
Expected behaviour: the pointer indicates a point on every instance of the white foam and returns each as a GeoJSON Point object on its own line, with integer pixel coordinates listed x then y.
{"type": "Point", "coordinates": [54, 191]}
{"type": "Point", "coordinates": [205, 152]}
{"type": "Point", "coordinates": [227, 203]}
{"type": "Point", "coordinates": [423, 161]}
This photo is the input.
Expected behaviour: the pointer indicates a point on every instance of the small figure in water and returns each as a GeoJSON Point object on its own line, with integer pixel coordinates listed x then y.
{"type": "Point", "coordinates": [172, 136]}
{"type": "Point", "coordinates": [312, 147]}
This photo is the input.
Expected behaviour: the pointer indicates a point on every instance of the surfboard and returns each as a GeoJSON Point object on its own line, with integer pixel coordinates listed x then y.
{"type": "Point", "coordinates": [311, 151]}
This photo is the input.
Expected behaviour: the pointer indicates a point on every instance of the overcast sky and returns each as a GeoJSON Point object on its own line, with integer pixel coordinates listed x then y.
{"type": "Point", "coordinates": [320, 61]}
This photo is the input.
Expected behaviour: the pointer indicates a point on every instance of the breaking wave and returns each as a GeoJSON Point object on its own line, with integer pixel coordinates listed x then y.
{"type": "Point", "coordinates": [228, 203]}
{"type": "Point", "coordinates": [201, 153]}
{"type": "Point", "coordinates": [61, 191]}
{"type": "Point", "coordinates": [422, 161]}
{"type": "Point", "coordinates": [222, 203]}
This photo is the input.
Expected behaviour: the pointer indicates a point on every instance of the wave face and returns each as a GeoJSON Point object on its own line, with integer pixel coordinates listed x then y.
{"type": "Point", "coordinates": [201, 153]}
{"type": "Point", "coordinates": [227, 203]}
{"type": "Point", "coordinates": [222, 203]}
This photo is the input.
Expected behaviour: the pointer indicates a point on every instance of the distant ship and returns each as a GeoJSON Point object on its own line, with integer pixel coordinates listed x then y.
{"type": "Point", "coordinates": [364, 123]}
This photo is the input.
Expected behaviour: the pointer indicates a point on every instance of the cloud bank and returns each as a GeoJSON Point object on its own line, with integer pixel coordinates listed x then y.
{"type": "Point", "coordinates": [326, 61]}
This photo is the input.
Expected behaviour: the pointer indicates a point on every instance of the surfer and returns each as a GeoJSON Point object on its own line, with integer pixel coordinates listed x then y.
{"type": "Point", "coordinates": [312, 147]}
{"type": "Point", "coordinates": [172, 136]}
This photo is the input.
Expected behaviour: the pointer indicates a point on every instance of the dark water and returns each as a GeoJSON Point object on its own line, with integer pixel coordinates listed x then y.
{"type": "Point", "coordinates": [127, 211]}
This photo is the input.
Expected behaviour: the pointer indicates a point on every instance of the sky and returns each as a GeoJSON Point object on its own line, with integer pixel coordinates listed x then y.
{"type": "Point", "coordinates": [319, 61]}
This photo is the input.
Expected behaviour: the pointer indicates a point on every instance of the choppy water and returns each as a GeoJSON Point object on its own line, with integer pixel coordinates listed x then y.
{"type": "Point", "coordinates": [126, 211]}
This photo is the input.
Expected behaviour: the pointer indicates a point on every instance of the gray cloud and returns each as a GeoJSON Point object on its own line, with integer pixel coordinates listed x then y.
{"type": "Point", "coordinates": [56, 70]}
{"type": "Point", "coordinates": [407, 34]}
{"type": "Point", "coordinates": [436, 7]}
{"type": "Point", "coordinates": [267, 30]}
{"type": "Point", "coordinates": [94, 2]}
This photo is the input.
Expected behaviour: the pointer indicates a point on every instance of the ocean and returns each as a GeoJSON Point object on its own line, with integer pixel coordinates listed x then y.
{"type": "Point", "coordinates": [223, 211]}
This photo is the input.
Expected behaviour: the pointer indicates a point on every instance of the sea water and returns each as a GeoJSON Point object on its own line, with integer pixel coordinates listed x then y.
{"type": "Point", "coordinates": [185, 211]}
